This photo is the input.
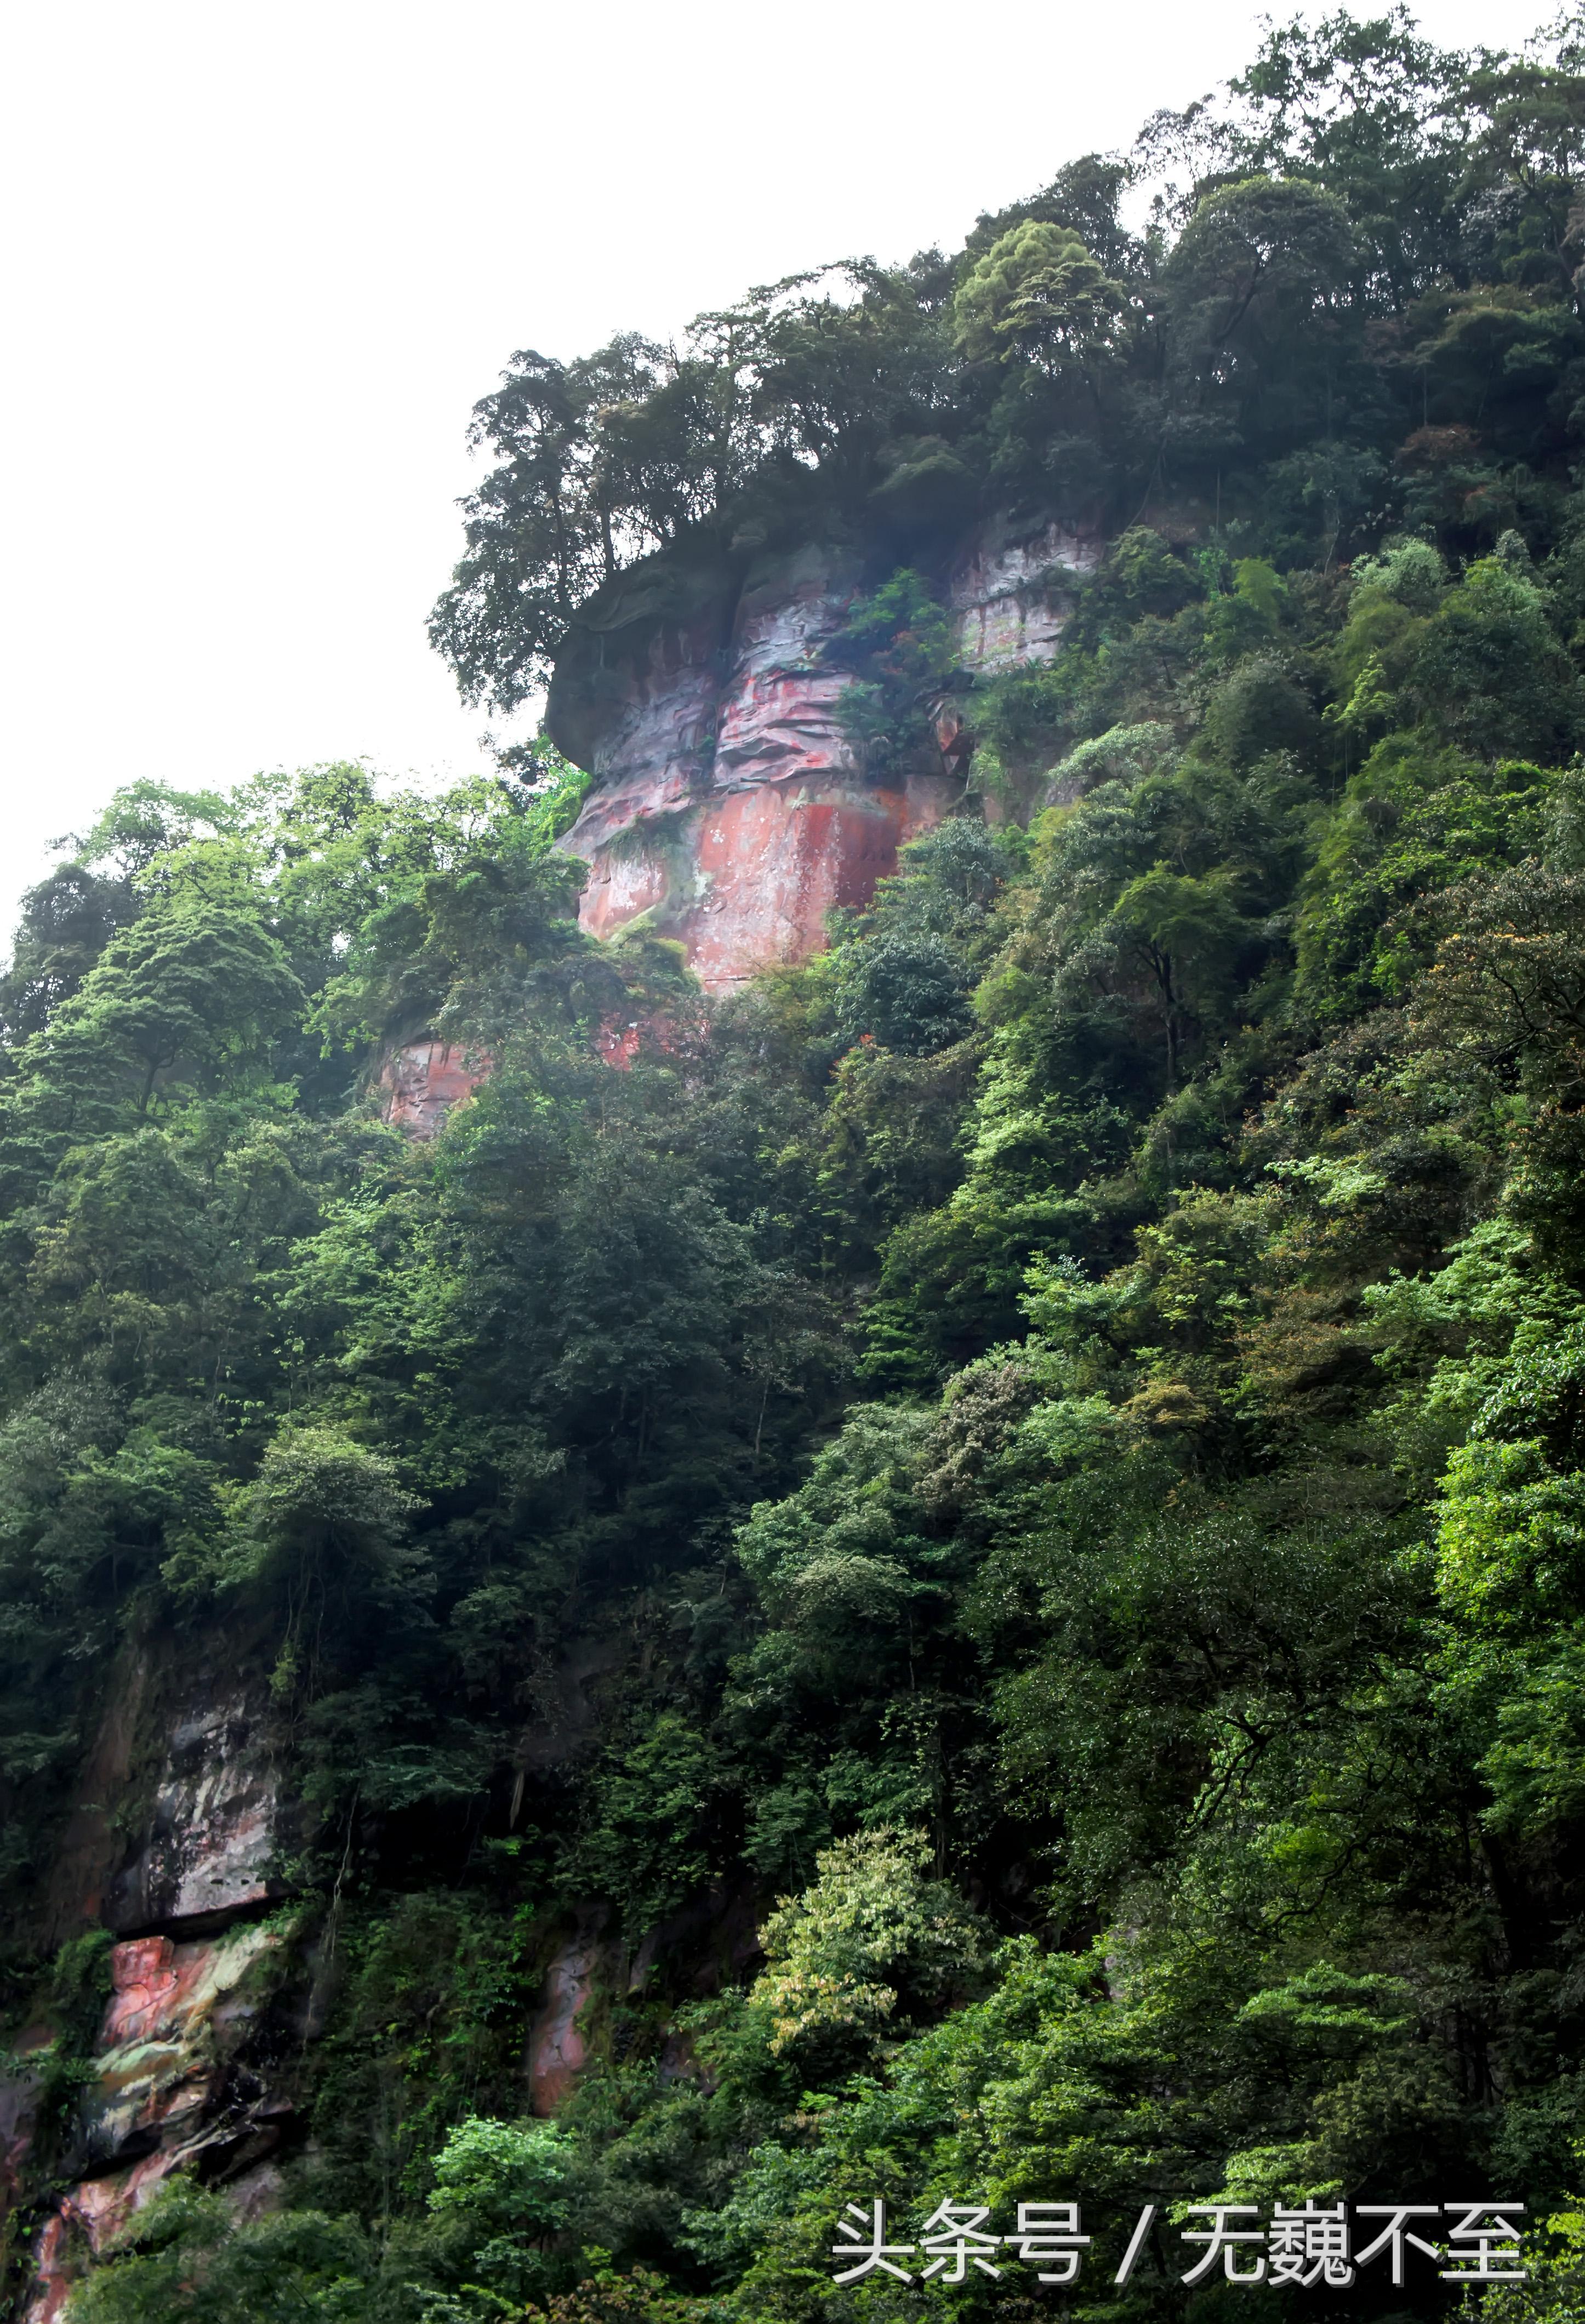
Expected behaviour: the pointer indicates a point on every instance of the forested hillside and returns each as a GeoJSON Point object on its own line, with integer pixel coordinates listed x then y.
{"type": "Point", "coordinates": [987, 1535]}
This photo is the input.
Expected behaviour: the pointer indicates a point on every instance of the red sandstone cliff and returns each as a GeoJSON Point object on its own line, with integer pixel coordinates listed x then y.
{"type": "Point", "coordinates": [729, 809]}
{"type": "Point", "coordinates": [420, 1081]}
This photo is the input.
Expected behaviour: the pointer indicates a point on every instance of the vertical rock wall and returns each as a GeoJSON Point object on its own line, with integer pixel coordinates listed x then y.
{"type": "Point", "coordinates": [420, 1081]}
{"type": "Point", "coordinates": [173, 1847]}
{"type": "Point", "coordinates": [1006, 589]}
{"type": "Point", "coordinates": [729, 808]}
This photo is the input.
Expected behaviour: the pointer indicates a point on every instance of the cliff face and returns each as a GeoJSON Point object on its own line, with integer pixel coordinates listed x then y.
{"type": "Point", "coordinates": [730, 809]}
{"type": "Point", "coordinates": [180, 1845]}
{"type": "Point", "coordinates": [172, 1847]}
{"type": "Point", "coordinates": [420, 1081]}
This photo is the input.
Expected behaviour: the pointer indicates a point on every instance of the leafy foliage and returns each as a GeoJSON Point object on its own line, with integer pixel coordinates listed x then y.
{"type": "Point", "coordinates": [990, 1532]}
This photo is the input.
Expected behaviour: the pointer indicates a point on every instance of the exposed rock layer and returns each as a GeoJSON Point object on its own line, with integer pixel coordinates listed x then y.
{"type": "Point", "coordinates": [177, 1844]}
{"type": "Point", "coordinates": [730, 809]}
{"type": "Point", "coordinates": [421, 1080]}
{"type": "Point", "coordinates": [173, 1843]}
{"type": "Point", "coordinates": [171, 2087]}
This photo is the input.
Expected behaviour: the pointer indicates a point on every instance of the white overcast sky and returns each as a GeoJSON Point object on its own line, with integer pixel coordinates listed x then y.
{"type": "Point", "coordinates": [259, 262]}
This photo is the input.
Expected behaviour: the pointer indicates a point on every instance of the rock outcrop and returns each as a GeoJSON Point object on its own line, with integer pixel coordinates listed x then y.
{"type": "Point", "coordinates": [1008, 588]}
{"type": "Point", "coordinates": [174, 2086]}
{"type": "Point", "coordinates": [558, 2040]}
{"type": "Point", "coordinates": [173, 1845]}
{"type": "Point", "coordinates": [178, 1817]}
{"type": "Point", "coordinates": [177, 1846]}
{"type": "Point", "coordinates": [420, 1081]}
{"type": "Point", "coordinates": [730, 808]}
{"type": "Point", "coordinates": [207, 1849]}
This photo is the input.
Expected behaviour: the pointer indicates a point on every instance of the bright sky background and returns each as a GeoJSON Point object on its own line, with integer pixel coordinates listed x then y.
{"type": "Point", "coordinates": [261, 259]}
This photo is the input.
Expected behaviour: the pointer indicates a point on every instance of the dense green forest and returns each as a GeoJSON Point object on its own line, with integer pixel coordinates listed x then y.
{"type": "Point", "coordinates": [1060, 1421]}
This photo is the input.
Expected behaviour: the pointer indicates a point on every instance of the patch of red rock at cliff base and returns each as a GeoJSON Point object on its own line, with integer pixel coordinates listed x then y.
{"type": "Point", "coordinates": [420, 1081]}
{"type": "Point", "coordinates": [172, 2013]}
{"type": "Point", "coordinates": [96, 2210]}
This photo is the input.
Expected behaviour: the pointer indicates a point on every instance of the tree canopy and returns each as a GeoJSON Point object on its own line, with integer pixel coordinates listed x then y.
{"type": "Point", "coordinates": [991, 1527]}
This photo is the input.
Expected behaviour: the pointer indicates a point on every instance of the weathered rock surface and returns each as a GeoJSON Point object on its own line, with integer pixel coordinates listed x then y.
{"type": "Point", "coordinates": [211, 1833]}
{"type": "Point", "coordinates": [93, 1846]}
{"type": "Point", "coordinates": [420, 1081]}
{"type": "Point", "coordinates": [177, 1817]}
{"type": "Point", "coordinates": [557, 2042]}
{"type": "Point", "coordinates": [189, 1760]}
{"type": "Point", "coordinates": [171, 2087]}
{"type": "Point", "coordinates": [729, 809]}
{"type": "Point", "coordinates": [716, 1935]}
{"type": "Point", "coordinates": [1007, 590]}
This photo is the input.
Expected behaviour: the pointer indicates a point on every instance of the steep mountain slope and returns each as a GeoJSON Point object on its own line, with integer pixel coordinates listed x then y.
{"type": "Point", "coordinates": [831, 1451]}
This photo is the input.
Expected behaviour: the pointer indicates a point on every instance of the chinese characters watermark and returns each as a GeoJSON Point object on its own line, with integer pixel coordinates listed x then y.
{"type": "Point", "coordinates": [1310, 2245]}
